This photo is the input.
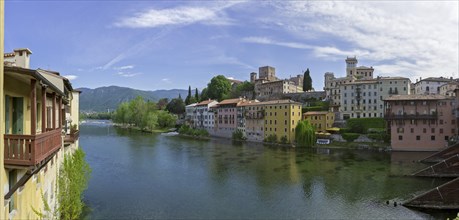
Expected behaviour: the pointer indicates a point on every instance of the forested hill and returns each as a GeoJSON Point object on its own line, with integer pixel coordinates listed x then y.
{"type": "Point", "coordinates": [104, 98]}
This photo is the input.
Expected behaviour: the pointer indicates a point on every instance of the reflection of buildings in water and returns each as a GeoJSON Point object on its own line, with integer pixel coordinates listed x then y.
{"type": "Point", "coordinates": [405, 163]}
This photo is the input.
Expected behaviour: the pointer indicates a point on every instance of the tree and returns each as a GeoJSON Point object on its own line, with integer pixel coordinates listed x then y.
{"type": "Point", "coordinates": [176, 106]}
{"type": "Point", "coordinates": [196, 95]}
{"type": "Point", "coordinates": [188, 98]}
{"type": "Point", "coordinates": [243, 89]}
{"type": "Point", "coordinates": [162, 103]}
{"type": "Point", "coordinates": [166, 120]}
{"type": "Point", "coordinates": [204, 95]}
{"type": "Point", "coordinates": [307, 81]}
{"type": "Point", "coordinates": [219, 88]}
{"type": "Point", "coordinates": [73, 180]}
{"type": "Point", "coordinates": [305, 134]}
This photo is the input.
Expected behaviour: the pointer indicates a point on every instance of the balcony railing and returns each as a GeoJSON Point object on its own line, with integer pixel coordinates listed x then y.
{"type": "Point", "coordinates": [30, 150]}
{"type": "Point", "coordinates": [410, 116]}
{"type": "Point", "coordinates": [72, 137]}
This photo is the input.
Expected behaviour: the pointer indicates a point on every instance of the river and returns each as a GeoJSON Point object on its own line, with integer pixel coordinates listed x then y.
{"type": "Point", "coordinates": [141, 175]}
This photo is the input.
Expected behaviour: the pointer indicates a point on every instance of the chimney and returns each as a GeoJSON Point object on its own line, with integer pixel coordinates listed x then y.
{"type": "Point", "coordinates": [22, 57]}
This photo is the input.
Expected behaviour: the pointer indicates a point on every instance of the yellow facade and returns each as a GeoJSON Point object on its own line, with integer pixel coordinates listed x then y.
{"type": "Point", "coordinates": [320, 120]}
{"type": "Point", "coordinates": [35, 175]}
{"type": "Point", "coordinates": [281, 118]}
{"type": "Point", "coordinates": [2, 126]}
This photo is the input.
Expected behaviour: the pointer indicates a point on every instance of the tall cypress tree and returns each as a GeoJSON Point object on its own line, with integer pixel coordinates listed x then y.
{"type": "Point", "coordinates": [196, 95]}
{"type": "Point", "coordinates": [307, 81]}
{"type": "Point", "coordinates": [188, 98]}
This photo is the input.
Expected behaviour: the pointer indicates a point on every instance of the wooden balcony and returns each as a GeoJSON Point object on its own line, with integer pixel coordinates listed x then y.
{"type": "Point", "coordinates": [30, 150]}
{"type": "Point", "coordinates": [72, 137]}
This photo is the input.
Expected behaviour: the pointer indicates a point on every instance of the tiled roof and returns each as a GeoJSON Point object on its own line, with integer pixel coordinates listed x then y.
{"type": "Point", "coordinates": [206, 102]}
{"type": "Point", "coordinates": [230, 101]}
{"type": "Point", "coordinates": [8, 55]}
{"type": "Point", "coordinates": [417, 97]}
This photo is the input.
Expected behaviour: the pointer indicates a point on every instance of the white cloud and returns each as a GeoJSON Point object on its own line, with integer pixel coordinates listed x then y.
{"type": "Point", "coordinates": [266, 40]}
{"type": "Point", "coordinates": [124, 67]}
{"type": "Point", "coordinates": [211, 15]}
{"type": "Point", "coordinates": [401, 38]}
{"type": "Point", "coordinates": [71, 77]}
{"type": "Point", "coordinates": [166, 80]}
{"type": "Point", "coordinates": [128, 74]}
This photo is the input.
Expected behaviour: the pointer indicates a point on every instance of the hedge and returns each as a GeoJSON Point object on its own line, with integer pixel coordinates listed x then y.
{"type": "Point", "coordinates": [349, 137]}
{"type": "Point", "coordinates": [361, 125]}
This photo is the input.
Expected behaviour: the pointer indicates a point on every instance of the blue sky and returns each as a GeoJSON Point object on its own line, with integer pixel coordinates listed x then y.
{"type": "Point", "coordinates": [172, 44]}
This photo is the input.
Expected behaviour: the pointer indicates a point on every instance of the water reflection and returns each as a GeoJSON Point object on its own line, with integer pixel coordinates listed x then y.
{"type": "Point", "coordinates": [139, 175]}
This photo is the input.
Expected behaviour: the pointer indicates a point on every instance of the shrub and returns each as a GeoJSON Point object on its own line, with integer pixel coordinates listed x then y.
{"type": "Point", "coordinates": [361, 125]}
{"type": "Point", "coordinates": [238, 135]}
{"type": "Point", "coordinates": [349, 137]}
{"type": "Point", "coordinates": [272, 138]}
{"type": "Point", "coordinates": [284, 139]}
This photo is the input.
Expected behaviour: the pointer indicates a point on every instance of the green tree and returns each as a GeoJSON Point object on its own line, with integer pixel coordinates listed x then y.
{"type": "Point", "coordinates": [305, 134]}
{"type": "Point", "coordinates": [162, 103]}
{"type": "Point", "coordinates": [238, 135]}
{"type": "Point", "coordinates": [196, 95]}
{"type": "Point", "coordinates": [166, 120]}
{"type": "Point", "coordinates": [242, 89]}
{"type": "Point", "coordinates": [188, 97]}
{"type": "Point", "coordinates": [307, 81]}
{"type": "Point", "coordinates": [219, 88]}
{"type": "Point", "coordinates": [176, 106]}
{"type": "Point", "coordinates": [121, 113]}
{"type": "Point", "coordinates": [204, 95]}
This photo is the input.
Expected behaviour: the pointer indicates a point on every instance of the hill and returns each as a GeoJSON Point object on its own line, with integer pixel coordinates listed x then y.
{"type": "Point", "coordinates": [104, 98]}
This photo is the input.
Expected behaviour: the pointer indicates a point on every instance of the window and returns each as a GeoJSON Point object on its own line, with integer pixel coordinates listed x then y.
{"type": "Point", "coordinates": [418, 138]}
{"type": "Point", "coordinates": [441, 130]}
{"type": "Point", "coordinates": [424, 130]}
{"type": "Point", "coordinates": [400, 137]}
{"type": "Point", "coordinates": [432, 138]}
{"type": "Point", "coordinates": [412, 130]}
{"type": "Point", "coordinates": [446, 138]}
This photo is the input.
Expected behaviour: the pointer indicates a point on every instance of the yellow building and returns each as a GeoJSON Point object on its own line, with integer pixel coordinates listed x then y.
{"type": "Point", "coordinates": [320, 120]}
{"type": "Point", "coordinates": [2, 126]}
{"type": "Point", "coordinates": [281, 117]}
{"type": "Point", "coordinates": [35, 137]}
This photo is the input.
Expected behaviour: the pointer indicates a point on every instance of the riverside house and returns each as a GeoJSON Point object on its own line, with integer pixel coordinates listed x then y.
{"type": "Point", "coordinates": [420, 122]}
{"type": "Point", "coordinates": [39, 108]}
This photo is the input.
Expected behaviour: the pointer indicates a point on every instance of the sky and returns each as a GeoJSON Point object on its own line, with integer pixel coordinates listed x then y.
{"type": "Point", "coordinates": [152, 45]}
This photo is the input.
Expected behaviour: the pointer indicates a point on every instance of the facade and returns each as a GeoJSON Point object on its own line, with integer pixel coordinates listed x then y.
{"type": "Point", "coordinates": [191, 115]}
{"type": "Point", "coordinates": [253, 120]}
{"type": "Point", "coordinates": [430, 85]}
{"type": "Point", "coordinates": [420, 122]}
{"type": "Point", "coordinates": [449, 88]}
{"type": "Point", "coordinates": [2, 126]}
{"type": "Point", "coordinates": [281, 118]}
{"type": "Point", "coordinates": [35, 141]}
{"type": "Point", "coordinates": [228, 117]}
{"type": "Point", "coordinates": [320, 120]}
{"type": "Point", "coordinates": [205, 115]}
{"type": "Point", "coordinates": [364, 98]}
{"type": "Point", "coordinates": [268, 85]}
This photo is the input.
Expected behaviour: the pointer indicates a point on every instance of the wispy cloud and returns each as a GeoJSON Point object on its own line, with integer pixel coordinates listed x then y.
{"type": "Point", "coordinates": [166, 80]}
{"type": "Point", "coordinates": [71, 77]}
{"type": "Point", "coordinates": [420, 38]}
{"type": "Point", "coordinates": [266, 40]}
{"type": "Point", "coordinates": [124, 67]}
{"type": "Point", "coordinates": [128, 74]}
{"type": "Point", "coordinates": [185, 15]}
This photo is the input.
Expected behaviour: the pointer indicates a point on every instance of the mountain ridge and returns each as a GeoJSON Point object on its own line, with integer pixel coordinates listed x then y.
{"type": "Point", "coordinates": [107, 98]}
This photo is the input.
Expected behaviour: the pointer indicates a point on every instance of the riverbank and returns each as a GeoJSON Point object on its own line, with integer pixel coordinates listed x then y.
{"type": "Point", "coordinates": [164, 130]}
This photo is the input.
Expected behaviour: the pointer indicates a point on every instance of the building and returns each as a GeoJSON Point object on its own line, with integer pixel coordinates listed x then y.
{"type": "Point", "coordinates": [268, 86]}
{"type": "Point", "coordinates": [449, 88]}
{"type": "Point", "coordinates": [2, 126]}
{"type": "Point", "coordinates": [37, 134]}
{"type": "Point", "coordinates": [253, 120]}
{"type": "Point", "coordinates": [430, 85]}
{"type": "Point", "coordinates": [191, 115]}
{"type": "Point", "coordinates": [205, 115]}
{"type": "Point", "coordinates": [228, 117]}
{"type": "Point", "coordinates": [322, 120]}
{"type": "Point", "coordinates": [420, 122]}
{"type": "Point", "coordinates": [364, 98]}
{"type": "Point", "coordinates": [281, 118]}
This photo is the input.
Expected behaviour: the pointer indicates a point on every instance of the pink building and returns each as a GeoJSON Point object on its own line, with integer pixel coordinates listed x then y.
{"type": "Point", "coordinates": [227, 117]}
{"type": "Point", "coordinates": [420, 122]}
